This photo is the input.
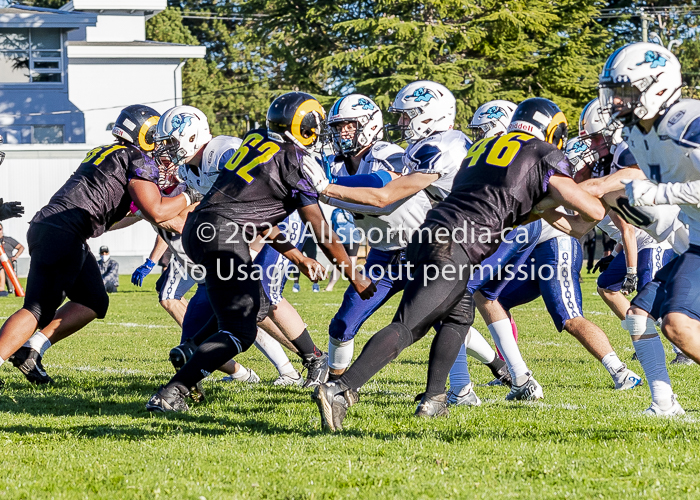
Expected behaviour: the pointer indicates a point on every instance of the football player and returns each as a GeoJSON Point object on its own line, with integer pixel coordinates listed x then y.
{"type": "Point", "coordinates": [96, 196]}
{"type": "Point", "coordinates": [362, 159]}
{"type": "Point", "coordinates": [500, 182]}
{"type": "Point", "coordinates": [260, 186]}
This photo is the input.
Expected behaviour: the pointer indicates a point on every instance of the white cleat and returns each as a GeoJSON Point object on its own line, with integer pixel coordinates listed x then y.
{"type": "Point", "coordinates": [288, 379]}
{"type": "Point", "coordinates": [464, 397]}
{"type": "Point", "coordinates": [655, 411]}
{"type": "Point", "coordinates": [251, 379]}
{"type": "Point", "coordinates": [529, 391]}
{"type": "Point", "coordinates": [626, 379]}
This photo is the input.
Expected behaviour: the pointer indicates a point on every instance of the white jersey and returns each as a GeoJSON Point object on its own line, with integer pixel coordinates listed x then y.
{"type": "Point", "coordinates": [217, 152]}
{"type": "Point", "coordinates": [394, 222]}
{"type": "Point", "coordinates": [670, 153]}
{"type": "Point", "coordinates": [441, 154]}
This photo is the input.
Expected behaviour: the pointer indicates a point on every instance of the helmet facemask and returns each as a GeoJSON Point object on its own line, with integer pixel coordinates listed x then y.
{"type": "Point", "coordinates": [481, 131]}
{"type": "Point", "coordinates": [624, 101]}
{"type": "Point", "coordinates": [406, 129]}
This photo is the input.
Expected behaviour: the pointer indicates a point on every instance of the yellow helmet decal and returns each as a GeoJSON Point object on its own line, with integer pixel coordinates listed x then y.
{"type": "Point", "coordinates": [557, 120]}
{"type": "Point", "coordinates": [305, 108]}
{"type": "Point", "coordinates": [151, 122]}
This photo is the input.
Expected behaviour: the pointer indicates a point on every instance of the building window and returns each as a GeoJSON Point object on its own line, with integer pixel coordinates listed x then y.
{"type": "Point", "coordinates": [47, 134]}
{"type": "Point", "coordinates": [31, 55]}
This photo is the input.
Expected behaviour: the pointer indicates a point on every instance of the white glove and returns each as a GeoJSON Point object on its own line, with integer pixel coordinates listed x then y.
{"type": "Point", "coordinates": [315, 173]}
{"type": "Point", "coordinates": [641, 192]}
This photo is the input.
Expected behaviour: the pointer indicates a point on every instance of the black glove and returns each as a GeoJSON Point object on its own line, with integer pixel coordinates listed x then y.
{"type": "Point", "coordinates": [603, 264]}
{"type": "Point", "coordinates": [629, 284]}
{"type": "Point", "coordinates": [194, 195]}
{"type": "Point", "coordinates": [10, 209]}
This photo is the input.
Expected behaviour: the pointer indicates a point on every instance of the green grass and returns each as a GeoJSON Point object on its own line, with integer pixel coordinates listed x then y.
{"type": "Point", "coordinates": [89, 436]}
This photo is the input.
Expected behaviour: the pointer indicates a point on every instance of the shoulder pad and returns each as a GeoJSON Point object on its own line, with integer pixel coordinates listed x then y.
{"type": "Point", "coordinates": [623, 157]}
{"type": "Point", "coordinates": [681, 123]}
{"type": "Point", "coordinates": [382, 150]}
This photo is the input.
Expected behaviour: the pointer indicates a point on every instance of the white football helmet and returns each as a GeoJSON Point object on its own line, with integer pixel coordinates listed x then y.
{"type": "Point", "coordinates": [603, 133]}
{"type": "Point", "coordinates": [430, 106]}
{"type": "Point", "coordinates": [639, 82]}
{"type": "Point", "coordinates": [577, 150]}
{"type": "Point", "coordinates": [181, 132]}
{"type": "Point", "coordinates": [367, 116]}
{"type": "Point", "coordinates": [492, 119]}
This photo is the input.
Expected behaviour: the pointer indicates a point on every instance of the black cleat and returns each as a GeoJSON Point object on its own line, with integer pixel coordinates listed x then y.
{"type": "Point", "coordinates": [333, 401]}
{"type": "Point", "coordinates": [28, 361]}
{"type": "Point", "coordinates": [168, 399]}
{"type": "Point", "coordinates": [499, 368]}
{"type": "Point", "coordinates": [181, 354]}
{"type": "Point", "coordinates": [682, 359]}
{"type": "Point", "coordinates": [316, 370]}
{"type": "Point", "coordinates": [434, 406]}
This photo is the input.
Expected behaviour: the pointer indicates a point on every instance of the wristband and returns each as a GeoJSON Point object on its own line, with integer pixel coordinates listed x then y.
{"type": "Point", "coordinates": [631, 270]}
{"type": "Point", "coordinates": [187, 199]}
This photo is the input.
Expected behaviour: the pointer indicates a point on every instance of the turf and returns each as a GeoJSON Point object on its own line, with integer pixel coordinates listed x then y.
{"type": "Point", "coordinates": [89, 436]}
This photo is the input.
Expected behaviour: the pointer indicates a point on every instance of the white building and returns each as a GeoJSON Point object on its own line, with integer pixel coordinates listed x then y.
{"type": "Point", "coordinates": [64, 77]}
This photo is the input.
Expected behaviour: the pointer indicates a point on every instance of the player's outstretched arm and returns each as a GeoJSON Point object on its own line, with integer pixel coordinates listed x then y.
{"type": "Point", "coordinates": [601, 186]}
{"type": "Point", "coordinates": [567, 193]}
{"type": "Point", "coordinates": [153, 206]}
{"type": "Point", "coordinates": [177, 223]}
{"type": "Point", "coordinates": [398, 189]}
{"type": "Point", "coordinates": [334, 250]}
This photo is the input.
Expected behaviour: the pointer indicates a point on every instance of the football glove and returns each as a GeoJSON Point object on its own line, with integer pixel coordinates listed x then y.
{"type": "Point", "coordinates": [141, 272]}
{"type": "Point", "coordinates": [641, 192]}
{"type": "Point", "coordinates": [603, 264]}
{"type": "Point", "coordinates": [193, 195]}
{"type": "Point", "coordinates": [629, 284]}
{"type": "Point", "coordinates": [10, 209]}
{"type": "Point", "coordinates": [315, 172]}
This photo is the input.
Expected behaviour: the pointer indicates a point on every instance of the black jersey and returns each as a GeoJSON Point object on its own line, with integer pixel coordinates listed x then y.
{"type": "Point", "coordinates": [261, 184]}
{"type": "Point", "coordinates": [500, 181]}
{"type": "Point", "coordinates": [95, 197]}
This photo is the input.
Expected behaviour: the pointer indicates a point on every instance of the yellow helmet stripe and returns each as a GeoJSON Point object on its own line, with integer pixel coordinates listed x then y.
{"type": "Point", "coordinates": [305, 108]}
{"type": "Point", "coordinates": [144, 130]}
{"type": "Point", "coordinates": [557, 120]}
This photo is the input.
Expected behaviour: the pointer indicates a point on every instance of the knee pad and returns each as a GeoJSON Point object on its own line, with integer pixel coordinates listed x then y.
{"type": "Point", "coordinates": [638, 325]}
{"type": "Point", "coordinates": [340, 353]}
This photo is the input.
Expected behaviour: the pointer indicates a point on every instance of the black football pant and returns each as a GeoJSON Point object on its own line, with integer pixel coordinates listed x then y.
{"type": "Point", "coordinates": [219, 246]}
{"type": "Point", "coordinates": [437, 292]}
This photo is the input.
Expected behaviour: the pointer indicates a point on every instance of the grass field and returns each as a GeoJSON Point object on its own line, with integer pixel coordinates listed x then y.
{"type": "Point", "coordinates": [89, 436]}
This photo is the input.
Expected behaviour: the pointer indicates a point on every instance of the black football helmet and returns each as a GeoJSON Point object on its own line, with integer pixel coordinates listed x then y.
{"type": "Point", "coordinates": [137, 124]}
{"type": "Point", "coordinates": [295, 117]}
{"type": "Point", "coordinates": [542, 118]}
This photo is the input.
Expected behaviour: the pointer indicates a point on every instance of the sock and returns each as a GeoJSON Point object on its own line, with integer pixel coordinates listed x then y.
{"type": "Point", "coordinates": [379, 351]}
{"type": "Point", "coordinates": [273, 351]}
{"type": "Point", "coordinates": [208, 357]}
{"type": "Point", "coordinates": [340, 353]}
{"type": "Point", "coordinates": [443, 353]}
{"type": "Point", "coordinates": [502, 333]}
{"type": "Point", "coordinates": [650, 352]}
{"type": "Point", "coordinates": [306, 347]}
{"type": "Point", "coordinates": [459, 373]}
{"type": "Point", "coordinates": [38, 342]}
{"type": "Point", "coordinates": [478, 348]}
{"type": "Point", "coordinates": [514, 327]}
{"type": "Point", "coordinates": [242, 373]}
{"type": "Point", "coordinates": [612, 363]}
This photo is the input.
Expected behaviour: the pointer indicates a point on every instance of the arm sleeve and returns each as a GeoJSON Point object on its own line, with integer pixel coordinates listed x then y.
{"type": "Point", "coordinates": [377, 179]}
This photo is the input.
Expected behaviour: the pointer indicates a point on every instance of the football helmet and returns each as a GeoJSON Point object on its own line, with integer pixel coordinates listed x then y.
{"type": "Point", "coordinates": [295, 117]}
{"type": "Point", "coordinates": [596, 125]}
{"type": "Point", "coordinates": [367, 117]}
{"type": "Point", "coordinates": [429, 106]}
{"type": "Point", "coordinates": [492, 119]}
{"type": "Point", "coordinates": [542, 118]}
{"type": "Point", "coordinates": [181, 132]}
{"type": "Point", "coordinates": [137, 124]}
{"type": "Point", "coordinates": [639, 82]}
{"type": "Point", "coordinates": [576, 152]}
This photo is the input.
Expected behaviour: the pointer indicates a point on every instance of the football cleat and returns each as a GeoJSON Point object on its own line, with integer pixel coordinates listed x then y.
{"type": "Point", "coordinates": [317, 370]}
{"type": "Point", "coordinates": [433, 406]}
{"type": "Point", "coordinates": [168, 399]}
{"type": "Point", "coordinates": [625, 379]}
{"type": "Point", "coordinates": [181, 354]}
{"type": "Point", "coordinates": [682, 359]}
{"type": "Point", "coordinates": [28, 361]}
{"type": "Point", "coordinates": [294, 378]}
{"type": "Point", "coordinates": [529, 391]}
{"type": "Point", "coordinates": [464, 397]}
{"type": "Point", "coordinates": [252, 378]}
{"type": "Point", "coordinates": [296, 288]}
{"type": "Point", "coordinates": [655, 411]}
{"type": "Point", "coordinates": [333, 401]}
{"type": "Point", "coordinates": [499, 368]}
